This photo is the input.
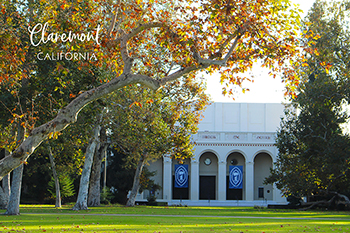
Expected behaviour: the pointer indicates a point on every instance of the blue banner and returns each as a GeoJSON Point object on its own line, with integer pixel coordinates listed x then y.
{"type": "Point", "coordinates": [236, 177]}
{"type": "Point", "coordinates": [181, 176]}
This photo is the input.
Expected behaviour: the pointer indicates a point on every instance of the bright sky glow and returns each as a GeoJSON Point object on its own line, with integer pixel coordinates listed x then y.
{"type": "Point", "coordinates": [264, 89]}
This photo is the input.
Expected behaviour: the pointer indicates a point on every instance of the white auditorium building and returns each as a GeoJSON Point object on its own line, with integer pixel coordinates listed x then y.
{"type": "Point", "coordinates": [234, 146]}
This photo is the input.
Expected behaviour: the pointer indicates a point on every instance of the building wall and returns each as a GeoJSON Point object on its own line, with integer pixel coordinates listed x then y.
{"type": "Point", "coordinates": [244, 132]}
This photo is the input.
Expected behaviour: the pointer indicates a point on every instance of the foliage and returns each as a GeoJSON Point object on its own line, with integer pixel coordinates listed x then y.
{"type": "Point", "coordinates": [120, 176]}
{"type": "Point", "coordinates": [68, 151]}
{"type": "Point", "coordinates": [147, 42]}
{"type": "Point", "coordinates": [66, 186]}
{"type": "Point", "coordinates": [146, 182]}
{"type": "Point", "coordinates": [151, 124]}
{"type": "Point", "coordinates": [314, 148]}
{"type": "Point", "coordinates": [106, 195]}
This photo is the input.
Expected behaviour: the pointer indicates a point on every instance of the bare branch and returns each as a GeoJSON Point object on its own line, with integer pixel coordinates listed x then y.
{"type": "Point", "coordinates": [180, 73]}
{"type": "Point", "coordinates": [142, 28]}
{"type": "Point", "coordinates": [223, 61]}
{"type": "Point", "coordinates": [112, 26]}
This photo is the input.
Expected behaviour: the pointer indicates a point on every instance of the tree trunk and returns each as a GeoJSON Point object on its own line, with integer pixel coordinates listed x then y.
{"type": "Point", "coordinates": [55, 177]}
{"type": "Point", "coordinates": [5, 190]}
{"type": "Point", "coordinates": [136, 184]}
{"type": "Point", "coordinates": [3, 199]}
{"type": "Point", "coordinates": [81, 203]}
{"type": "Point", "coordinates": [95, 179]}
{"type": "Point", "coordinates": [15, 196]}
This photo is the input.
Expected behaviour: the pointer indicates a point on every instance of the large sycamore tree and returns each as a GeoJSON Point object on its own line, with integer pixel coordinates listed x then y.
{"type": "Point", "coordinates": [147, 42]}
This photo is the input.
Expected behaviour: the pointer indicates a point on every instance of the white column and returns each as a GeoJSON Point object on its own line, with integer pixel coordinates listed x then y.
{"type": "Point", "coordinates": [222, 181]}
{"type": "Point", "coordinates": [194, 195]}
{"type": "Point", "coordinates": [167, 179]}
{"type": "Point", "coordinates": [249, 181]}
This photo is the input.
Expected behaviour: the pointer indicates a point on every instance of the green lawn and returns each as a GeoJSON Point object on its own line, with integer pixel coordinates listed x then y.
{"type": "Point", "coordinates": [46, 218]}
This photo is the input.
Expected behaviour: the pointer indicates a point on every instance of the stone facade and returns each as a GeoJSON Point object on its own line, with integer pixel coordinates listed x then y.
{"type": "Point", "coordinates": [239, 134]}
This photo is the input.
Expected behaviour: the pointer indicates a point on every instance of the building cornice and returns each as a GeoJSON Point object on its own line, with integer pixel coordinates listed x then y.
{"type": "Point", "coordinates": [235, 144]}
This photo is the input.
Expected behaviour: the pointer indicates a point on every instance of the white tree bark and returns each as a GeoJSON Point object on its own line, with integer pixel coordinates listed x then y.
{"type": "Point", "coordinates": [5, 190]}
{"type": "Point", "coordinates": [95, 180]}
{"type": "Point", "coordinates": [136, 183]}
{"type": "Point", "coordinates": [16, 185]}
{"type": "Point", "coordinates": [55, 177]}
{"type": "Point", "coordinates": [3, 199]}
{"type": "Point", "coordinates": [94, 198]}
{"type": "Point", "coordinates": [81, 203]}
{"type": "Point", "coordinates": [15, 197]}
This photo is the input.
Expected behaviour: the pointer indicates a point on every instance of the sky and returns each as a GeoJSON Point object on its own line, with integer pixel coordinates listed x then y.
{"type": "Point", "coordinates": [264, 89]}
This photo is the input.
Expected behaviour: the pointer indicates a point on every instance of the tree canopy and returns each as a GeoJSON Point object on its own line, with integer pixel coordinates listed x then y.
{"type": "Point", "coordinates": [147, 42]}
{"type": "Point", "coordinates": [313, 144]}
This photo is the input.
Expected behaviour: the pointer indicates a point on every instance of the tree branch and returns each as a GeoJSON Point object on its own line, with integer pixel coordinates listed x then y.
{"type": "Point", "coordinates": [219, 62]}
{"type": "Point", "coordinates": [143, 27]}
{"type": "Point", "coordinates": [65, 117]}
{"type": "Point", "coordinates": [114, 20]}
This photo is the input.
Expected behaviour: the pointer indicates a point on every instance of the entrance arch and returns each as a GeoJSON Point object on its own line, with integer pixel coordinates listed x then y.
{"type": "Point", "coordinates": [234, 159]}
{"type": "Point", "coordinates": [208, 175]}
{"type": "Point", "coordinates": [262, 165]}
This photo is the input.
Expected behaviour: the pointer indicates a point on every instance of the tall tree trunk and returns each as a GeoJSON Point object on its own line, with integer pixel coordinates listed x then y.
{"type": "Point", "coordinates": [5, 190]}
{"type": "Point", "coordinates": [55, 177]}
{"type": "Point", "coordinates": [15, 196]}
{"type": "Point", "coordinates": [81, 203]}
{"type": "Point", "coordinates": [95, 180]}
{"type": "Point", "coordinates": [6, 182]}
{"type": "Point", "coordinates": [136, 184]}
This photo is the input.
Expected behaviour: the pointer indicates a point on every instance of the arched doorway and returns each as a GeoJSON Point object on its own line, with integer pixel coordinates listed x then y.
{"type": "Point", "coordinates": [208, 171]}
{"type": "Point", "coordinates": [234, 159]}
{"type": "Point", "coordinates": [262, 165]}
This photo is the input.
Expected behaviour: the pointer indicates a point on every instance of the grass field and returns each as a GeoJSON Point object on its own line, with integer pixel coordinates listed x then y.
{"type": "Point", "coordinates": [46, 218]}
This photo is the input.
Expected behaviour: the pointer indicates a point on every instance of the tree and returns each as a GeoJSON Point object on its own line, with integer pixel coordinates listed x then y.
{"type": "Point", "coordinates": [120, 176]}
{"type": "Point", "coordinates": [57, 195]}
{"type": "Point", "coordinates": [26, 100]}
{"type": "Point", "coordinates": [94, 198]}
{"type": "Point", "coordinates": [81, 203]}
{"type": "Point", "coordinates": [191, 36]}
{"type": "Point", "coordinates": [66, 187]}
{"type": "Point", "coordinates": [68, 152]}
{"type": "Point", "coordinates": [149, 125]}
{"type": "Point", "coordinates": [313, 147]}
{"type": "Point", "coordinates": [118, 170]}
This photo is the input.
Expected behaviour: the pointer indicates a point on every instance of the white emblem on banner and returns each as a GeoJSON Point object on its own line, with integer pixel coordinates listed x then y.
{"type": "Point", "coordinates": [181, 176]}
{"type": "Point", "coordinates": [236, 177]}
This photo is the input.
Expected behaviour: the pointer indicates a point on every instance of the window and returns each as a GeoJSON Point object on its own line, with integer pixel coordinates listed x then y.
{"type": "Point", "coordinates": [261, 192]}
